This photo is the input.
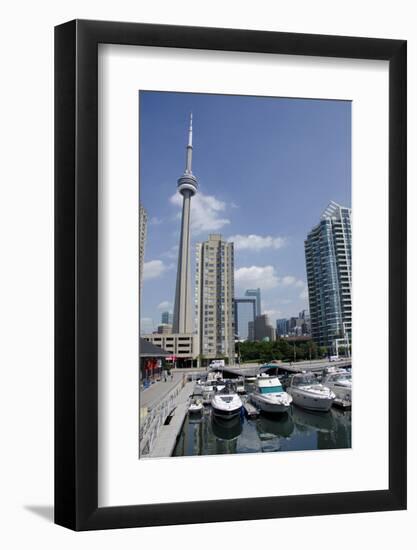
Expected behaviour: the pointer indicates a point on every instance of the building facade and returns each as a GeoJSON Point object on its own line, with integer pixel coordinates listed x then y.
{"type": "Point", "coordinates": [328, 254]}
{"type": "Point", "coordinates": [164, 328]}
{"type": "Point", "coordinates": [166, 318]}
{"type": "Point", "coordinates": [261, 329]}
{"type": "Point", "coordinates": [244, 312]}
{"type": "Point", "coordinates": [181, 348]}
{"type": "Point", "coordinates": [255, 293]}
{"type": "Point", "coordinates": [143, 223]}
{"type": "Point", "coordinates": [214, 295]}
{"type": "Point", "coordinates": [282, 327]}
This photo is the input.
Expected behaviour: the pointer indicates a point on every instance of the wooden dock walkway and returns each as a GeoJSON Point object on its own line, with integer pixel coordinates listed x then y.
{"type": "Point", "coordinates": [250, 410]}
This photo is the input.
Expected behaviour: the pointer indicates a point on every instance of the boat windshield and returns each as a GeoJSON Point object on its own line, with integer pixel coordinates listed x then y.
{"type": "Point", "coordinates": [304, 380]}
{"type": "Point", "coordinates": [341, 376]}
{"type": "Point", "coordinates": [272, 389]}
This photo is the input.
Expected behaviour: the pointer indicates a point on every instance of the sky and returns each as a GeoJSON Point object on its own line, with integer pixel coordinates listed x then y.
{"type": "Point", "coordinates": [266, 168]}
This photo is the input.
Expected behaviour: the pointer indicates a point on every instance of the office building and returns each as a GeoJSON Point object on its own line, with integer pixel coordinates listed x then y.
{"type": "Point", "coordinates": [261, 329]}
{"type": "Point", "coordinates": [214, 298]}
{"type": "Point", "coordinates": [166, 318]}
{"type": "Point", "coordinates": [164, 328]}
{"type": "Point", "coordinates": [282, 327]}
{"type": "Point", "coordinates": [245, 312]}
{"type": "Point", "coordinates": [328, 254]}
{"type": "Point", "coordinates": [255, 293]}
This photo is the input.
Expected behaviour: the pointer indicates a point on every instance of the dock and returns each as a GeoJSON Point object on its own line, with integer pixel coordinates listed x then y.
{"type": "Point", "coordinates": [168, 433]}
{"type": "Point", "coordinates": [342, 404]}
{"type": "Point", "coordinates": [250, 410]}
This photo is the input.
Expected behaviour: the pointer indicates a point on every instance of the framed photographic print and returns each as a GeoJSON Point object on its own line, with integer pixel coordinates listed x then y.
{"type": "Point", "coordinates": [230, 275]}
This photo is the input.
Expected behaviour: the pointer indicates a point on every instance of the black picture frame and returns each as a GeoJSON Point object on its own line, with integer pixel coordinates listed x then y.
{"type": "Point", "coordinates": [76, 272]}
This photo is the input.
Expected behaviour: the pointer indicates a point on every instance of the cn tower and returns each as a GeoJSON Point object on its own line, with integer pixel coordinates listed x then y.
{"type": "Point", "coordinates": [187, 185]}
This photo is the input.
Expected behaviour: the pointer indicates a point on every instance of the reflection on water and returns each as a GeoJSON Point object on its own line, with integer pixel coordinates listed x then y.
{"type": "Point", "coordinates": [298, 430]}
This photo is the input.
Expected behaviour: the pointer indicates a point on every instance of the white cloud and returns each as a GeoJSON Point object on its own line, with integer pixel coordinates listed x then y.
{"type": "Point", "coordinates": [256, 242]}
{"type": "Point", "coordinates": [155, 221]}
{"type": "Point", "coordinates": [165, 306]}
{"type": "Point", "coordinates": [265, 277]}
{"type": "Point", "coordinates": [234, 205]}
{"type": "Point", "coordinates": [153, 269]}
{"type": "Point", "coordinates": [273, 314]}
{"type": "Point", "coordinates": [304, 294]}
{"type": "Point", "coordinates": [256, 276]}
{"type": "Point", "coordinates": [206, 212]}
{"type": "Point", "coordinates": [288, 280]}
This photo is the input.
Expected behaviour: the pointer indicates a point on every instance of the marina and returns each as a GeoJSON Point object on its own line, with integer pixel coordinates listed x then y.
{"type": "Point", "coordinates": [202, 413]}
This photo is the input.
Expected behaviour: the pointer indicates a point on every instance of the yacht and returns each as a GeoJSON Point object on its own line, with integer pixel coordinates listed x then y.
{"type": "Point", "coordinates": [309, 393]}
{"type": "Point", "coordinates": [196, 406]}
{"type": "Point", "coordinates": [340, 382]}
{"type": "Point", "coordinates": [226, 403]}
{"type": "Point", "coordinates": [269, 395]}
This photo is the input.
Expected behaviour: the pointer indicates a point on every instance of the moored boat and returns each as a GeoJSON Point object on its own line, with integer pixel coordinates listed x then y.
{"type": "Point", "coordinates": [226, 403]}
{"type": "Point", "coordinates": [340, 382]}
{"type": "Point", "coordinates": [269, 395]}
{"type": "Point", "coordinates": [196, 406]}
{"type": "Point", "coordinates": [309, 393]}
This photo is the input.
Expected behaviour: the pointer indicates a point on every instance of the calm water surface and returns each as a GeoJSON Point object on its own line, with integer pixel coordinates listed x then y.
{"type": "Point", "coordinates": [296, 431]}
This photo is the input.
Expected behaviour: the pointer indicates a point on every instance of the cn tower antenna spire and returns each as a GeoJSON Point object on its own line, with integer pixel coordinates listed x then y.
{"type": "Point", "coordinates": [189, 147]}
{"type": "Point", "coordinates": [190, 131]}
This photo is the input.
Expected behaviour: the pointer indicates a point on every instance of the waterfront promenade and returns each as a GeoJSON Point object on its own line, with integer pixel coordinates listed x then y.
{"type": "Point", "coordinates": [158, 403]}
{"type": "Point", "coordinates": [159, 390]}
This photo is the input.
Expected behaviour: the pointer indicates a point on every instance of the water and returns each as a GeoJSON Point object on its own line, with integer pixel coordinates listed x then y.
{"type": "Point", "coordinates": [296, 431]}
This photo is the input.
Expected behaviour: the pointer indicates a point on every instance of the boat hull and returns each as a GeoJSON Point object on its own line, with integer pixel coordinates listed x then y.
{"type": "Point", "coordinates": [311, 402]}
{"type": "Point", "coordinates": [268, 406]}
{"type": "Point", "coordinates": [226, 414]}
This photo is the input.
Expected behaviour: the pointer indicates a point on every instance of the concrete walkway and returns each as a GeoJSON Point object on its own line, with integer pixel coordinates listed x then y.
{"type": "Point", "coordinates": [167, 436]}
{"type": "Point", "coordinates": [155, 394]}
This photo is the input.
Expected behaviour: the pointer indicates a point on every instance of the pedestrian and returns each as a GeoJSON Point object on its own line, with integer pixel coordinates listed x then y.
{"type": "Point", "coordinates": [172, 375]}
{"type": "Point", "coordinates": [165, 375]}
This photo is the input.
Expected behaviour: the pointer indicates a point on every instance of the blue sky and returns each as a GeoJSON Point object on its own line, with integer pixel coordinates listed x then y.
{"type": "Point", "coordinates": [266, 167]}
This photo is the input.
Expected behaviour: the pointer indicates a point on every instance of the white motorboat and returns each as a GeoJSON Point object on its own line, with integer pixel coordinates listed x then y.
{"type": "Point", "coordinates": [309, 393]}
{"type": "Point", "coordinates": [340, 382]}
{"type": "Point", "coordinates": [196, 406]}
{"type": "Point", "coordinates": [269, 395]}
{"type": "Point", "coordinates": [226, 403]}
{"type": "Point", "coordinates": [240, 385]}
{"type": "Point", "coordinates": [210, 388]}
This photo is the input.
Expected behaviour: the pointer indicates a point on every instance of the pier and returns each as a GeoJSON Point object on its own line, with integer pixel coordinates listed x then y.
{"type": "Point", "coordinates": [249, 370]}
{"type": "Point", "coordinates": [164, 405]}
{"type": "Point", "coordinates": [157, 403]}
{"type": "Point", "coordinates": [169, 431]}
{"type": "Point", "coordinates": [250, 410]}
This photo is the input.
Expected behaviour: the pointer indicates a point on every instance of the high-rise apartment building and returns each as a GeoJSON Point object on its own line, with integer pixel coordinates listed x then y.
{"type": "Point", "coordinates": [214, 298]}
{"type": "Point", "coordinates": [245, 312]}
{"type": "Point", "coordinates": [143, 222]}
{"type": "Point", "coordinates": [255, 293]}
{"type": "Point", "coordinates": [328, 253]}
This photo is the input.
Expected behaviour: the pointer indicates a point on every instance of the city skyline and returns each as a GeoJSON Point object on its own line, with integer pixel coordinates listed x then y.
{"type": "Point", "coordinates": [267, 223]}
